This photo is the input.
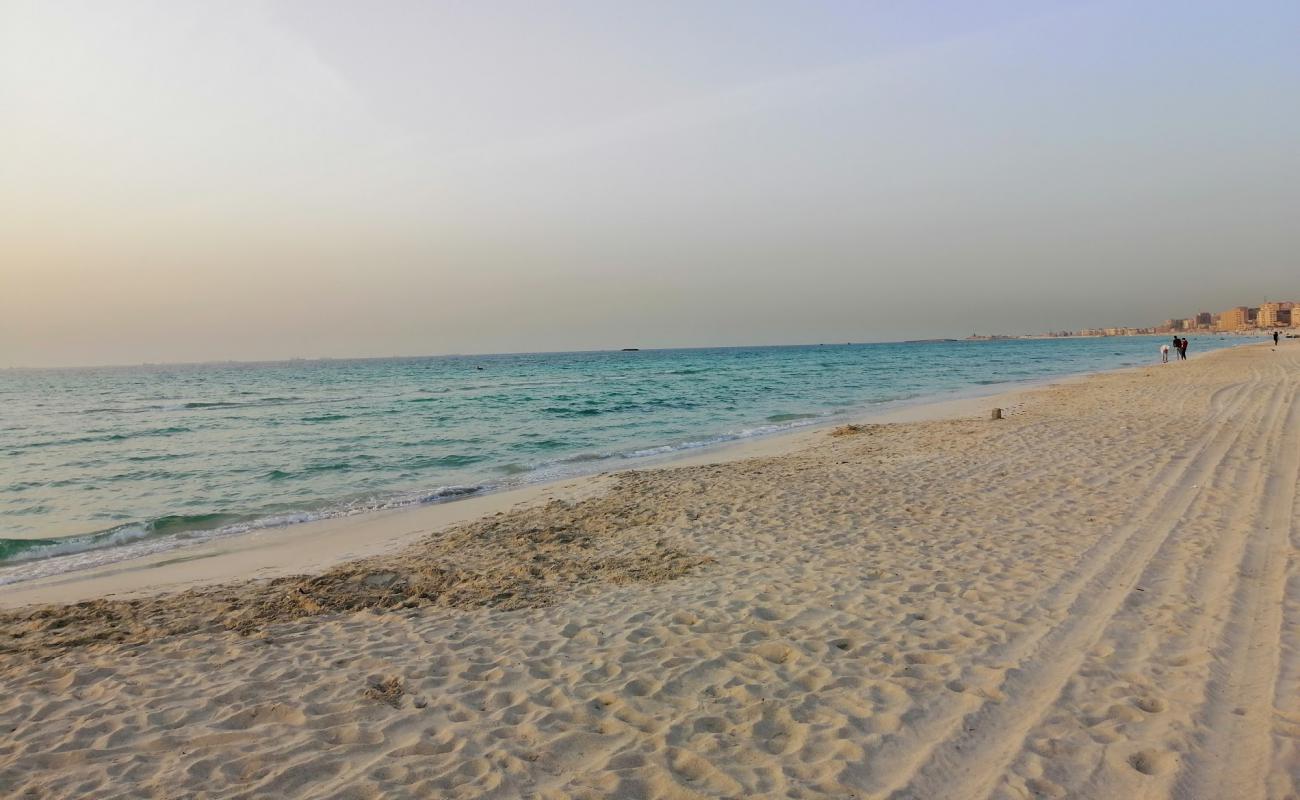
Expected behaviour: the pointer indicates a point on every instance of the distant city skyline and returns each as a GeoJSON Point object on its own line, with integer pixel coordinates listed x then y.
{"type": "Point", "coordinates": [1265, 317]}
{"type": "Point", "coordinates": [189, 181]}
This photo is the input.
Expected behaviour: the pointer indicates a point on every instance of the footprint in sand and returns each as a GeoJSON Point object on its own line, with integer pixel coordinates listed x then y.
{"type": "Point", "coordinates": [710, 725]}
{"type": "Point", "coordinates": [275, 713]}
{"type": "Point", "coordinates": [1123, 713]}
{"type": "Point", "coordinates": [1041, 787]}
{"type": "Point", "coordinates": [698, 772]}
{"type": "Point", "coordinates": [776, 653]}
{"type": "Point", "coordinates": [1151, 762]}
{"type": "Point", "coordinates": [639, 687]}
{"type": "Point", "coordinates": [927, 657]}
{"type": "Point", "coordinates": [813, 679]}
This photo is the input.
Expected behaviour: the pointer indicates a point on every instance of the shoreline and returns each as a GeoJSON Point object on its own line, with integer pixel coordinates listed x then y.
{"type": "Point", "coordinates": [1093, 597]}
{"type": "Point", "coordinates": [317, 545]}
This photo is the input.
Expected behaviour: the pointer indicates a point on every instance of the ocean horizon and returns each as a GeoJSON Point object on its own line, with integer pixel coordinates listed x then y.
{"type": "Point", "coordinates": [109, 463]}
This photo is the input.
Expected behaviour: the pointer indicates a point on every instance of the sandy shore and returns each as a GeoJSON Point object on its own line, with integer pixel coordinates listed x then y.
{"type": "Point", "coordinates": [1096, 597]}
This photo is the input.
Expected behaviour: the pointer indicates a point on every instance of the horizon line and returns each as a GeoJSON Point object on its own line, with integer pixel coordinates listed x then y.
{"type": "Point", "coordinates": [978, 339]}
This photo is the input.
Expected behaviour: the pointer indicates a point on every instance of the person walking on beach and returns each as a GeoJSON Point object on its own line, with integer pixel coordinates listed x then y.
{"type": "Point", "coordinates": [1182, 349]}
{"type": "Point", "coordinates": [1164, 354]}
{"type": "Point", "coordinates": [1275, 338]}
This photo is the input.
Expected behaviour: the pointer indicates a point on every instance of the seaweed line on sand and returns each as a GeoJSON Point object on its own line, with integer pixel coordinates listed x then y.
{"type": "Point", "coordinates": [520, 559]}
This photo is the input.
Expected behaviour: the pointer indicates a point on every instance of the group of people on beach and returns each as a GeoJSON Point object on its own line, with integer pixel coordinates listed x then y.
{"type": "Point", "coordinates": [1180, 344]}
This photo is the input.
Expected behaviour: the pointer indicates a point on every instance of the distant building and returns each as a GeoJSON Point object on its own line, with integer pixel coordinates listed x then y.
{"type": "Point", "coordinates": [1205, 320]}
{"type": "Point", "coordinates": [1234, 318]}
{"type": "Point", "coordinates": [1269, 314]}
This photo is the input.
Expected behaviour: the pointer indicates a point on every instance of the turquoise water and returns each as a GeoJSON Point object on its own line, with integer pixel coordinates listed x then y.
{"type": "Point", "coordinates": [103, 464]}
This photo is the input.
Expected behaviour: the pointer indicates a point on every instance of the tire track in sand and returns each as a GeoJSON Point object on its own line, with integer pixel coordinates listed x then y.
{"type": "Point", "coordinates": [1235, 744]}
{"type": "Point", "coordinates": [974, 745]}
{"type": "Point", "coordinates": [1111, 732]}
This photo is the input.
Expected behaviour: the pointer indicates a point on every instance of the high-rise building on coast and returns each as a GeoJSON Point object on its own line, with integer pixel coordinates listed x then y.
{"type": "Point", "coordinates": [1238, 319]}
{"type": "Point", "coordinates": [1234, 318]}
{"type": "Point", "coordinates": [1275, 315]}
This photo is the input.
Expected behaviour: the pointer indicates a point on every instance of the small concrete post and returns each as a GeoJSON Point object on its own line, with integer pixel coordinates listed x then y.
{"type": "Point", "coordinates": [997, 413]}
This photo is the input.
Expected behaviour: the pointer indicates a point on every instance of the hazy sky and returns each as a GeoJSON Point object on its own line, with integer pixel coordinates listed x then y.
{"type": "Point", "coordinates": [194, 181]}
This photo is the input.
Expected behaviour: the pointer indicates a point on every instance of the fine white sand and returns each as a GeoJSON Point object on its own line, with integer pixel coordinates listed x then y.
{"type": "Point", "coordinates": [1096, 597]}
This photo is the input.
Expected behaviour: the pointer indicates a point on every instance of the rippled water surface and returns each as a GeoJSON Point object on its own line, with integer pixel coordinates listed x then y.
{"type": "Point", "coordinates": [98, 464]}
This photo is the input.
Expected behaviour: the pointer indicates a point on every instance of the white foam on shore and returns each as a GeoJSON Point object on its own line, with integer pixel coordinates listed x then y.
{"type": "Point", "coordinates": [137, 539]}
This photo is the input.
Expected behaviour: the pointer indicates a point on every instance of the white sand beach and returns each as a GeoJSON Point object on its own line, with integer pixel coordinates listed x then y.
{"type": "Point", "coordinates": [1095, 597]}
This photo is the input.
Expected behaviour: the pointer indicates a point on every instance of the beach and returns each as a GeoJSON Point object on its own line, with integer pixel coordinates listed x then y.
{"type": "Point", "coordinates": [1095, 597]}
{"type": "Point", "coordinates": [111, 465]}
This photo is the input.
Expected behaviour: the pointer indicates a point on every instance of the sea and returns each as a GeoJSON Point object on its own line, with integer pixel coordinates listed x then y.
{"type": "Point", "coordinates": [105, 464]}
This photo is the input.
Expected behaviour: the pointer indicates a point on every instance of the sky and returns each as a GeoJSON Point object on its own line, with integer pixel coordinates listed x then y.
{"type": "Point", "coordinates": [191, 181]}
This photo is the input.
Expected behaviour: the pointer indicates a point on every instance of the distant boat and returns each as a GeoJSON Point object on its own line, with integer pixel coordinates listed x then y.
{"type": "Point", "coordinates": [631, 349]}
{"type": "Point", "coordinates": [927, 341]}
